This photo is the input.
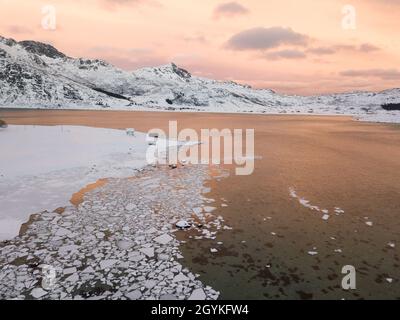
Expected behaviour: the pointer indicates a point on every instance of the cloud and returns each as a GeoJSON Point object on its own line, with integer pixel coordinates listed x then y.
{"type": "Point", "coordinates": [384, 74]}
{"type": "Point", "coordinates": [286, 54]}
{"type": "Point", "coordinates": [367, 47]}
{"type": "Point", "coordinates": [364, 48]}
{"type": "Point", "coordinates": [15, 29]}
{"type": "Point", "coordinates": [230, 9]}
{"type": "Point", "coordinates": [266, 38]}
{"type": "Point", "coordinates": [196, 38]}
{"type": "Point", "coordinates": [320, 51]}
{"type": "Point", "coordinates": [120, 4]}
{"type": "Point", "coordinates": [385, 2]}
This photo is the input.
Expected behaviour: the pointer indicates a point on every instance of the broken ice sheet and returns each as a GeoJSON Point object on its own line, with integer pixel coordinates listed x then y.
{"type": "Point", "coordinates": [135, 253]}
{"type": "Point", "coordinates": [163, 239]}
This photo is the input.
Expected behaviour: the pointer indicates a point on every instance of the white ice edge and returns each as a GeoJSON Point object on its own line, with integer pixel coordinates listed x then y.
{"type": "Point", "coordinates": [307, 204]}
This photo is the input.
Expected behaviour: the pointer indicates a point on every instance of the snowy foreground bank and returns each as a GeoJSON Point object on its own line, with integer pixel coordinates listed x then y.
{"type": "Point", "coordinates": [41, 167]}
{"type": "Point", "coordinates": [119, 243]}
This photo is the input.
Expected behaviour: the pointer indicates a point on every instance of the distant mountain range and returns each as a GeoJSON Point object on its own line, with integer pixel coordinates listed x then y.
{"type": "Point", "coordinates": [37, 75]}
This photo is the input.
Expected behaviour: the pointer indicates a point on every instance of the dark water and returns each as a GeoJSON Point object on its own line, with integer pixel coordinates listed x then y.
{"type": "Point", "coordinates": [331, 161]}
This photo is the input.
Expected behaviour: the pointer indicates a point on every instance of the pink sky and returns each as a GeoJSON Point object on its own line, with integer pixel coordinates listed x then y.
{"type": "Point", "coordinates": [291, 46]}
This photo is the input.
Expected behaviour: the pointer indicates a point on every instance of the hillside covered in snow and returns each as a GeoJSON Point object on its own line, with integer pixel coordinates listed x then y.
{"type": "Point", "coordinates": [37, 75]}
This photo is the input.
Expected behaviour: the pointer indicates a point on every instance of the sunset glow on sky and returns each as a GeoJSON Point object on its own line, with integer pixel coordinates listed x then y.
{"type": "Point", "coordinates": [291, 46]}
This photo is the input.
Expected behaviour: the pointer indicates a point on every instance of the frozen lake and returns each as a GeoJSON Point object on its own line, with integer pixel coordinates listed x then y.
{"type": "Point", "coordinates": [325, 193]}
{"type": "Point", "coordinates": [42, 166]}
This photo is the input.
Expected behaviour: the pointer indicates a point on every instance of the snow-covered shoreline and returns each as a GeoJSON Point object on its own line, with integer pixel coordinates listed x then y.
{"type": "Point", "coordinates": [119, 243]}
{"type": "Point", "coordinates": [43, 166]}
{"type": "Point", "coordinates": [381, 117]}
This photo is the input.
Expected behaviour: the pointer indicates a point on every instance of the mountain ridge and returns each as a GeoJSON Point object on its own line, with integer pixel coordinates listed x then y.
{"type": "Point", "coordinates": [37, 75]}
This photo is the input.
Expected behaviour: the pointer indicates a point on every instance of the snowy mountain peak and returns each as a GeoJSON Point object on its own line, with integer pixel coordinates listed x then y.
{"type": "Point", "coordinates": [391, 91]}
{"type": "Point", "coordinates": [180, 72]}
{"type": "Point", "coordinates": [8, 41]}
{"type": "Point", "coordinates": [170, 70]}
{"type": "Point", "coordinates": [37, 75]}
{"type": "Point", "coordinates": [41, 49]}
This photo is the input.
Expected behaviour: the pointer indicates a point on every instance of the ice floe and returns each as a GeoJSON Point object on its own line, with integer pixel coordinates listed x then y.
{"type": "Point", "coordinates": [182, 224]}
{"type": "Point", "coordinates": [197, 294]}
{"type": "Point", "coordinates": [163, 239]}
{"type": "Point", "coordinates": [38, 293]}
{"type": "Point", "coordinates": [307, 204]}
{"type": "Point", "coordinates": [325, 217]}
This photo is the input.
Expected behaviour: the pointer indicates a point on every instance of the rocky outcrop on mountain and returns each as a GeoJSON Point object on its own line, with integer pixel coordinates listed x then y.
{"type": "Point", "coordinates": [41, 49]}
{"type": "Point", "coordinates": [37, 75]}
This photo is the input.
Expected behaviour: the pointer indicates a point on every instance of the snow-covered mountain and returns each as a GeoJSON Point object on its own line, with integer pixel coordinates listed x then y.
{"type": "Point", "coordinates": [37, 75]}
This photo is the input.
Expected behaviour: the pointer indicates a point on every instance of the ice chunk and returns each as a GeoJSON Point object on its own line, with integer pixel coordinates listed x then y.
{"type": "Point", "coordinates": [38, 293]}
{"type": "Point", "coordinates": [61, 232]}
{"type": "Point", "coordinates": [124, 245]}
{"type": "Point", "coordinates": [198, 294]}
{"type": "Point", "coordinates": [105, 264]}
{"type": "Point", "coordinates": [163, 239]}
{"type": "Point", "coordinates": [180, 277]}
{"type": "Point", "coordinates": [182, 224]}
{"type": "Point", "coordinates": [325, 217]}
{"type": "Point", "coordinates": [134, 295]}
{"type": "Point", "coordinates": [69, 270]}
{"type": "Point", "coordinates": [148, 252]}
